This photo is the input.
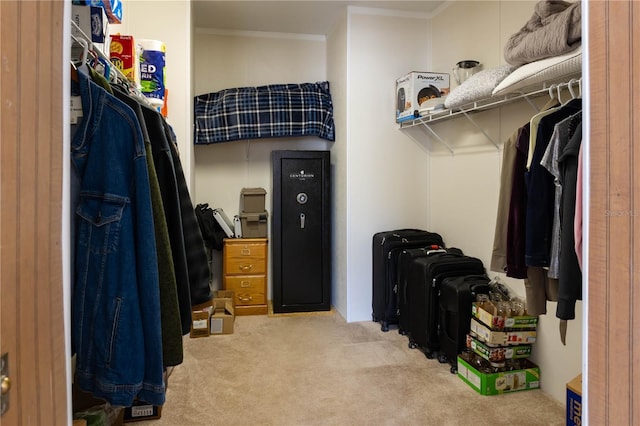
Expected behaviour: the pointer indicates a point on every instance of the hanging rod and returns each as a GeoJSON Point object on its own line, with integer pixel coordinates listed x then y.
{"type": "Point", "coordinates": [432, 117]}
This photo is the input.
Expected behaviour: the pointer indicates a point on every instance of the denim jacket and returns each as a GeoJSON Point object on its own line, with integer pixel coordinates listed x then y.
{"type": "Point", "coordinates": [116, 305]}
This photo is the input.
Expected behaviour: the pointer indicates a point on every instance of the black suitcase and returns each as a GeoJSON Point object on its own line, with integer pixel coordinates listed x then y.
{"type": "Point", "coordinates": [423, 287]}
{"type": "Point", "coordinates": [385, 249]}
{"type": "Point", "coordinates": [456, 297]}
{"type": "Point", "coordinates": [405, 258]}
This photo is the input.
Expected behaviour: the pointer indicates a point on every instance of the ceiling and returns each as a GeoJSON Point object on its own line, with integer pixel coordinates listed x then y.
{"type": "Point", "coordinates": [297, 17]}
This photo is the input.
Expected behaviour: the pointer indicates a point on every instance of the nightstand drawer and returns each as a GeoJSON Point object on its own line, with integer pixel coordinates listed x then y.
{"type": "Point", "coordinates": [249, 290]}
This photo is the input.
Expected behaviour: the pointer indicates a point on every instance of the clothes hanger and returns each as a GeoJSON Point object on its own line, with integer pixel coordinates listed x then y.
{"type": "Point", "coordinates": [552, 94]}
{"type": "Point", "coordinates": [80, 64]}
{"type": "Point", "coordinates": [570, 87]}
{"type": "Point", "coordinates": [558, 89]}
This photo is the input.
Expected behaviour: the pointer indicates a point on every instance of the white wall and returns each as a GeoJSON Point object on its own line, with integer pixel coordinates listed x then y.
{"type": "Point", "coordinates": [170, 22]}
{"type": "Point", "coordinates": [337, 65]}
{"type": "Point", "coordinates": [237, 59]}
{"type": "Point", "coordinates": [387, 172]}
{"type": "Point", "coordinates": [464, 187]}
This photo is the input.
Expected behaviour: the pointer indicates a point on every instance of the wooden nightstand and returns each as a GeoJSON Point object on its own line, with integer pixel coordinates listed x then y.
{"type": "Point", "coordinates": [244, 270]}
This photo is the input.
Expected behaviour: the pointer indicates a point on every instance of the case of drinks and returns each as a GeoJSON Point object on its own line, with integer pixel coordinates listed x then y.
{"type": "Point", "coordinates": [499, 343]}
{"type": "Point", "coordinates": [517, 375]}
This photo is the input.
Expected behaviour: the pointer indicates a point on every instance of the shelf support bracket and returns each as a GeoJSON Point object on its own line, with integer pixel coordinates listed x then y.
{"type": "Point", "coordinates": [433, 132]}
{"type": "Point", "coordinates": [530, 102]}
{"type": "Point", "coordinates": [486, 135]}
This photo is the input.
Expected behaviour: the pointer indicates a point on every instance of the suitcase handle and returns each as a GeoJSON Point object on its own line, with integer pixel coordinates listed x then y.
{"type": "Point", "coordinates": [434, 251]}
{"type": "Point", "coordinates": [475, 277]}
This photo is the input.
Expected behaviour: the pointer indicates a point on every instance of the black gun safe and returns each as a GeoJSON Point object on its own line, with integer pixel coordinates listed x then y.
{"type": "Point", "coordinates": [301, 231]}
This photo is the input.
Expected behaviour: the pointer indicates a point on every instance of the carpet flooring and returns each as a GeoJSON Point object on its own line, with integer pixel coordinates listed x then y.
{"type": "Point", "coordinates": [321, 370]}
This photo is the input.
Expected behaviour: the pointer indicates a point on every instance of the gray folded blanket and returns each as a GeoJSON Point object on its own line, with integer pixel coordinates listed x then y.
{"type": "Point", "coordinates": [554, 29]}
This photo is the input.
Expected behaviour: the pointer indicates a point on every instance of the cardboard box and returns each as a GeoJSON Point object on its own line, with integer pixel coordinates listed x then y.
{"type": "Point", "coordinates": [224, 294]}
{"type": "Point", "coordinates": [112, 8]}
{"type": "Point", "coordinates": [415, 88]}
{"type": "Point", "coordinates": [142, 411]}
{"type": "Point", "coordinates": [222, 317]}
{"type": "Point", "coordinates": [574, 401]}
{"type": "Point", "coordinates": [498, 353]}
{"type": "Point", "coordinates": [254, 225]}
{"type": "Point", "coordinates": [501, 338]}
{"type": "Point", "coordinates": [93, 22]}
{"type": "Point", "coordinates": [496, 322]}
{"type": "Point", "coordinates": [252, 200]}
{"type": "Point", "coordinates": [122, 52]}
{"type": "Point", "coordinates": [499, 383]}
{"type": "Point", "coordinates": [200, 320]}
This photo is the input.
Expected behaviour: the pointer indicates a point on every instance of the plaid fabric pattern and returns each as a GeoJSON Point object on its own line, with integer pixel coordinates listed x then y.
{"type": "Point", "coordinates": [277, 110]}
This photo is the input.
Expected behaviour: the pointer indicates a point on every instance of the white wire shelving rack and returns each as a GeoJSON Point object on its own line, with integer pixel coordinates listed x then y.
{"type": "Point", "coordinates": [429, 118]}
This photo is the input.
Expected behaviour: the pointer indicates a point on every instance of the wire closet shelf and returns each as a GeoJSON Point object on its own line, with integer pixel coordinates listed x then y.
{"type": "Point", "coordinates": [553, 90]}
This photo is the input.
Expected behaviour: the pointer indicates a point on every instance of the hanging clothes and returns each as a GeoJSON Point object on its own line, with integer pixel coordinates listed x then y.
{"type": "Point", "coordinates": [532, 223]}
{"type": "Point", "coordinates": [499, 253]}
{"type": "Point", "coordinates": [570, 288]}
{"type": "Point", "coordinates": [116, 303]}
{"type": "Point", "coordinates": [197, 260]}
{"type": "Point", "coordinates": [172, 349]}
{"type": "Point", "coordinates": [167, 181]}
{"type": "Point", "coordinates": [541, 190]}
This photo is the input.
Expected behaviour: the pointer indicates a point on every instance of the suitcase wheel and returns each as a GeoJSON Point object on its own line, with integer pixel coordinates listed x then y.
{"type": "Point", "coordinates": [385, 326]}
{"type": "Point", "coordinates": [402, 332]}
{"type": "Point", "coordinates": [412, 345]}
{"type": "Point", "coordinates": [429, 354]}
{"type": "Point", "coordinates": [454, 369]}
{"type": "Point", "coordinates": [442, 359]}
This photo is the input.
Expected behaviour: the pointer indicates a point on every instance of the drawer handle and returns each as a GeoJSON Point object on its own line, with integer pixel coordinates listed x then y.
{"type": "Point", "coordinates": [245, 284]}
{"type": "Point", "coordinates": [245, 252]}
{"type": "Point", "coordinates": [245, 298]}
{"type": "Point", "coordinates": [246, 267]}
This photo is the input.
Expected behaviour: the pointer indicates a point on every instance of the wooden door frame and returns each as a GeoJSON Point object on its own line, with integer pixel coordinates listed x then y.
{"type": "Point", "coordinates": [32, 328]}
{"type": "Point", "coordinates": [613, 327]}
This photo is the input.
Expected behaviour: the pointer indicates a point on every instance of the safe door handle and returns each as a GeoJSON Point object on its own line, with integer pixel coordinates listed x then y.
{"type": "Point", "coordinates": [302, 218]}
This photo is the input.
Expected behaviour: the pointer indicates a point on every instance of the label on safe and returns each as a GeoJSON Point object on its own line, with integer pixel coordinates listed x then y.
{"type": "Point", "coordinates": [302, 175]}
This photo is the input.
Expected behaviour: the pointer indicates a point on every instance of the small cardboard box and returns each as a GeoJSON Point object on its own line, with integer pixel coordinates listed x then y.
{"type": "Point", "coordinates": [224, 294]}
{"type": "Point", "coordinates": [252, 200]}
{"type": "Point", "coordinates": [501, 338]}
{"type": "Point", "coordinates": [496, 322]}
{"type": "Point", "coordinates": [574, 401]}
{"type": "Point", "coordinates": [498, 353]}
{"type": "Point", "coordinates": [200, 320]}
{"type": "Point", "coordinates": [254, 225]}
{"type": "Point", "coordinates": [499, 383]}
{"type": "Point", "coordinates": [122, 52]}
{"type": "Point", "coordinates": [142, 411]}
{"type": "Point", "coordinates": [415, 88]}
{"type": "Point", "coordinates": [93, 22]}
{"type": "Point", "coordinates": [112, 8]}
{"type": "Point", "coordinates": [222, 317]}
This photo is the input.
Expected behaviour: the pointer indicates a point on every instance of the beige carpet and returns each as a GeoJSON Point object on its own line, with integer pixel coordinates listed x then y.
{"type": "Point", "coordinates": [320, 370]}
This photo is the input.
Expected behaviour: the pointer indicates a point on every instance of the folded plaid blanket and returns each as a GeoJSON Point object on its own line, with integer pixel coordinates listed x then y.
{"type": "Point", "coordinates": [277, 110]}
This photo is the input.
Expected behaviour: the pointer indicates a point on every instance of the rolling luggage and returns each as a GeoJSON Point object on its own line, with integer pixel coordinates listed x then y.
{"type": "Point", "coordinates": [456, 297]}
{"type": "Point", "coordinates": [385, 249]}
{"type": "Point", "coordinates": [405, 258]}
{"type": "Point", "coordinates": [423, 287]}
